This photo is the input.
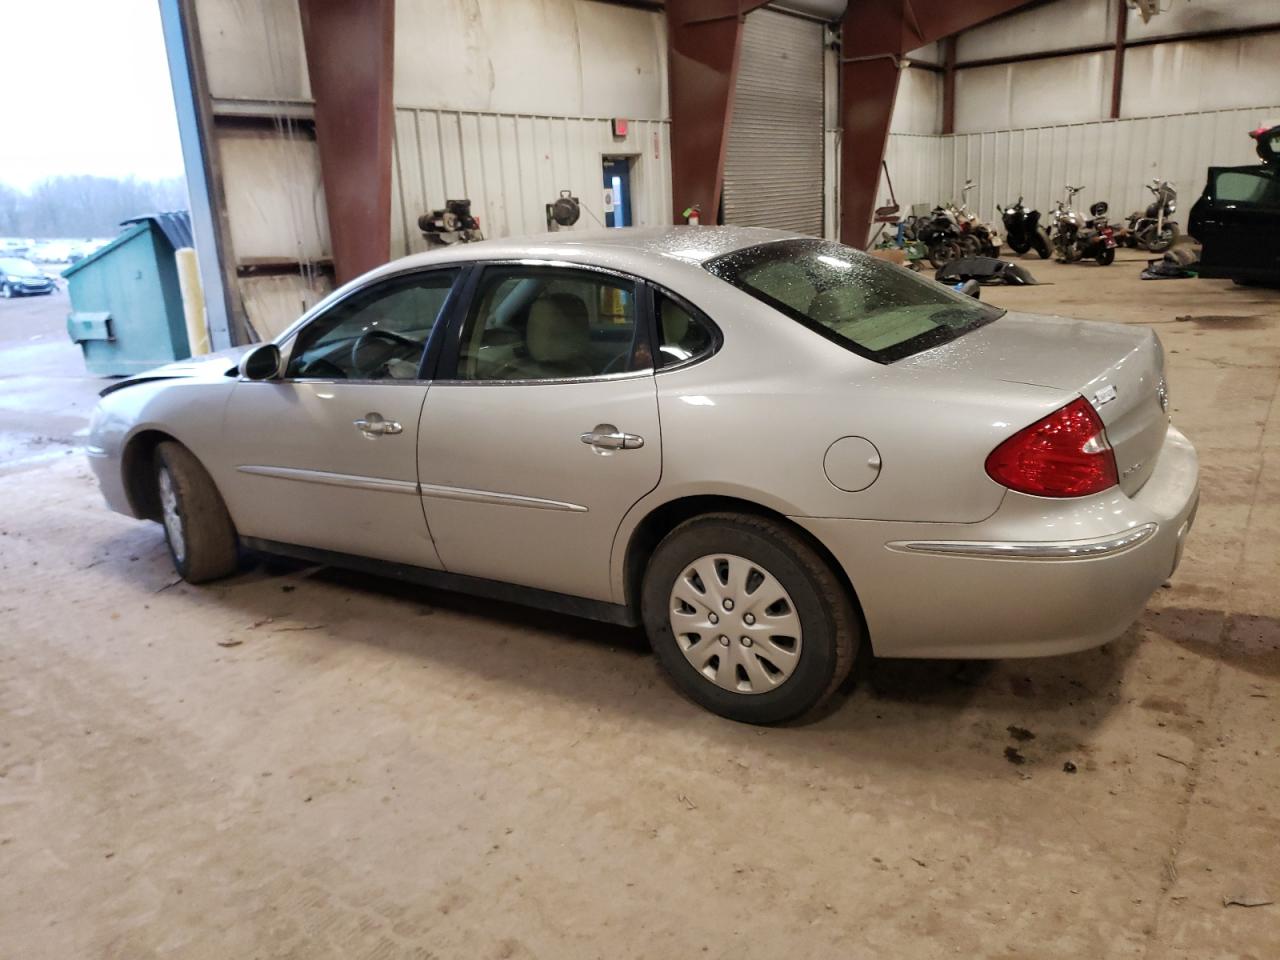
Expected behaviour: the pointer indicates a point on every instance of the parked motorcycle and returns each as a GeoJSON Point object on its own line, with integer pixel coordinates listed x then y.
{"type": "Point", "coordinates": [939, 234]}
{"type": "Point", "coordinates": [1152, 229]}
{"type": "Point", "coordinates": [1023, 231]}
{"type": "Point", "coordinates": [976, 238]}
{"type": "Point", "coordinates": [1077, 238]}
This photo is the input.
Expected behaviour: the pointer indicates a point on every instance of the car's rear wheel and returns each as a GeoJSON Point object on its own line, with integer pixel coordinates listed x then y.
{"type": "Point", "coordinates": [748, 618]}
{"type": "Point", "coordinates": [201, 537]}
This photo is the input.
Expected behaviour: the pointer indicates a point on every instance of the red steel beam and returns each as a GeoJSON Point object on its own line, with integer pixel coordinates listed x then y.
{"type": "Point", "coordinates": [1117, 72]}
{"type": "Point", "coordinates": [350, 50]}
{"type": "Point", "coordinates": [875, 37]}
{"type": "Point", "coordinates": [949, 86]}
{"type": "Point", "coordinates": [704, 39]}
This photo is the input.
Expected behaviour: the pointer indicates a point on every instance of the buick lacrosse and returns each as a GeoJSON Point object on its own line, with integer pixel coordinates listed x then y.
{"type": "Point", "coordinates": [774, 452]}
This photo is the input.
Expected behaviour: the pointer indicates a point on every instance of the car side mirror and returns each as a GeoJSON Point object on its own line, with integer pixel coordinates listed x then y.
{"type": "Point", "coordinates": [261, 363]}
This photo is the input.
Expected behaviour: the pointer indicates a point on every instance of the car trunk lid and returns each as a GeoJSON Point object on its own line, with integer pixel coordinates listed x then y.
{"type": "Point", "coordinates": [1118, 369]}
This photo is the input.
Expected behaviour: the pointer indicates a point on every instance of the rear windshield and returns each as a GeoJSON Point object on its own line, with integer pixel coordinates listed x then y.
{"type": "Point", "coordinates": [874, 308]}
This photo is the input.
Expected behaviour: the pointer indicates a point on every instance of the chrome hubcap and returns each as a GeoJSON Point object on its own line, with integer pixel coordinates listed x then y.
{"type": "Point", "coordinates": [752, 644]}
{"type": "Point", "coordinates": [172, 519]}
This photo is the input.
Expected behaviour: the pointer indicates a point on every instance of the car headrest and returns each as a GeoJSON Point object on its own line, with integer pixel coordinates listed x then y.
{"type": "Point", "coordinates": [558, 328]}
{"type": "Point", "coordinates": [832, 305]}
{"type": "Point", "coordinates": [675, 323]}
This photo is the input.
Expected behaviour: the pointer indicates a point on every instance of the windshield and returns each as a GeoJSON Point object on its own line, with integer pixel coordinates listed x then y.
{"type": "Point", "coordinates": [19, 268]}
{"type": "Point", "coordinates": [872, 307]}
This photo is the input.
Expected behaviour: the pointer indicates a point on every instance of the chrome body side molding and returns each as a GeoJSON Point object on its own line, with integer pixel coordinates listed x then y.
{"type": "Point", "coordinates": [382, 485]}
{"type": "Point", "coordinates": [1030, 550]}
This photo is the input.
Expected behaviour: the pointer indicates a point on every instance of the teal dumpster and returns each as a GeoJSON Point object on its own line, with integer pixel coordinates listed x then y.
{"type": "Point", "coordinates": [126, 307]}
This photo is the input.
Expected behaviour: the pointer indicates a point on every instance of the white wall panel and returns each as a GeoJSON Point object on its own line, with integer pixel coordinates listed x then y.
{"type": "Point", "coordinates": [1181, 16]}
{"type": "Point", "coordinates": [1054, 26]}
{"type": "Point", "coordinates": [915, 165]}
{"type": "Point", "coordinates": [1112, 159]}
{"type": "Point", "coordinates": [918, 106]}
{"type": "Point", "coordinates": [511, 165]}
{"type": "Point", "coordinates": [253, 49]}
{"type": "Point", "coordinates": [1034, 92]}
{"type": "Point", "coordinates": [275, 202]}
{"type": "Point", "coordinates": [554, 57]}
{"type": "Point", "coordinates": [1201, 74]}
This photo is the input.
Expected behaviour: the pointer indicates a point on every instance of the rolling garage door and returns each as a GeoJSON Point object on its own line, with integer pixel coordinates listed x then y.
{"type": "Point", "coordinates": [773, 163]}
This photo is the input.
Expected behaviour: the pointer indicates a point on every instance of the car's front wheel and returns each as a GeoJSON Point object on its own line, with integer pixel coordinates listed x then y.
{"type": "Point", "coordinates": [201, 537]}
{"type": "Point", "coordinates": [6, 291]}
{"type": "Point", "coordinates": [748, 618]}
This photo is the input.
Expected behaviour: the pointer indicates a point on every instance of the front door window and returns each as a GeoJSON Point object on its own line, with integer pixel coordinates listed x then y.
{"type": "Point", "coordinates": [378, 333]}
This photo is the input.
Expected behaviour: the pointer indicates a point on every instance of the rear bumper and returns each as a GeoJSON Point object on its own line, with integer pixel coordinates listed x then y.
{"type": "Point", "coordinates": [1039, 577]}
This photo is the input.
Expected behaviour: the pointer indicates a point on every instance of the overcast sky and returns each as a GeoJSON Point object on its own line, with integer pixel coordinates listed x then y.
{"type": "Point", "coordinates": [91, 84]}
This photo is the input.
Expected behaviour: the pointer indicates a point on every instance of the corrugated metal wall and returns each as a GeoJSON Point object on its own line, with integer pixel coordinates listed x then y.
{"type": "Point", "coordinates": [915, 164]}
{"type": "Point", "coordinates": [1113, 159]}
{"type": "Point", "coordinates": [512, 165]}
{"type": "Point", "coordinates": [773, 170]}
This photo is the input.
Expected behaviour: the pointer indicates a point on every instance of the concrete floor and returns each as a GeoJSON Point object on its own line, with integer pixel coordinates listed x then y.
{"type": "Point", "coordinates": [378, 771]}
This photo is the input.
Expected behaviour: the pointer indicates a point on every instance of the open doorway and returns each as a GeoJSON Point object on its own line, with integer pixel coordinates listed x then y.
{"type": "Point", "coordinates": [617, 191]}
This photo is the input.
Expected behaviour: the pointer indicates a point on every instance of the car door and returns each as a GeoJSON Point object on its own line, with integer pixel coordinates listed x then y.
{"type": "Point", "coordinates": [1236, 222]}
{"type": "Point", "coordinates": [325, 456]}
{"type": "Point", "coordinates": [542, 428]}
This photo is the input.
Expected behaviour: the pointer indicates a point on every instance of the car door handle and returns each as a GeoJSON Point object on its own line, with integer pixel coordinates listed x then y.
{"type": "Point", "coordinates": [608, 437]}
{"type": "Point", "coordinates": [375, 425]}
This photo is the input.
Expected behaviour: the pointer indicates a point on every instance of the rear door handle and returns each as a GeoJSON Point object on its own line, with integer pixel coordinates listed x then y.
{"type": "Point", "coordinates": [608, 437]}
{"type": "Point", "coordinates": [375, 425]}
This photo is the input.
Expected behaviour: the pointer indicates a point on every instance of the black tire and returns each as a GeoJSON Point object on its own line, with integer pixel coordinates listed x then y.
{"type": "Point", "coordinates": [1041, 247]}
{"type": "Point", "coordinates": [6, 291]}
{"type": "Point", "coordinates": [940, 254]}
{"type": "Point", "coordinates": [831, 632]}
{"type": "Point", "coordinates": [1021, 247]}
{"type": "Point", "coordinates": [202, 542]}
{"type": "Point", "coordinates": [1106, 257]}
{"type": "Point", "coordinates": [1160, 242]}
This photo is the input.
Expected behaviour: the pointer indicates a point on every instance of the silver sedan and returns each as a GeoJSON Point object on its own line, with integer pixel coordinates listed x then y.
{"type": "Point", "coordinates": [774, 452]}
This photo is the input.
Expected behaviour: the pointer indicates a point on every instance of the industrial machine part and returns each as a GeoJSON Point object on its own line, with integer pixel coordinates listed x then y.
{"type": "Point", "coordinates": [564, 211]}
{"type": "Point", "coordinates": [453, 224]}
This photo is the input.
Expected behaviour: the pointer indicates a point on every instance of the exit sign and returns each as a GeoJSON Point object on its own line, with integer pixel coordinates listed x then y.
{"type": "Point", "coordinates": [619, 127]}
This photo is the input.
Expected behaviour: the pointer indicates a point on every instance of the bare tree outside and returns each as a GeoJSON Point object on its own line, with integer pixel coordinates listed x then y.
{"type": "Point", "coordinates": [84, 206]}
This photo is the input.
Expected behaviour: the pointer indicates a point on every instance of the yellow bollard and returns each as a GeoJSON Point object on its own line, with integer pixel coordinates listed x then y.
{"type": "Point", "coordinates": [192, 301]}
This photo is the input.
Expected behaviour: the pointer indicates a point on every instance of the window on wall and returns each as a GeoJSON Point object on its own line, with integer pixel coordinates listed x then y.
{"type": "Point", "coordinates": [378, 333]}
{"type": "Point", "coordinates": [543, 323]}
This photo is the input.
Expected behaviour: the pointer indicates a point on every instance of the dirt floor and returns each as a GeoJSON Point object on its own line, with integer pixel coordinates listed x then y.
{"type": "Point", "coordinates": [377, 771]}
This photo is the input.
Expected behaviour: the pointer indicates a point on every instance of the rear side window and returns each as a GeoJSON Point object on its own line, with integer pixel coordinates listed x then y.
{"type": "Point", "coordinates": [873, 308]}
{"type": "Point", "coordinates": [683, 333]}
{"type": "Point", "coordinates": [1247, 187]}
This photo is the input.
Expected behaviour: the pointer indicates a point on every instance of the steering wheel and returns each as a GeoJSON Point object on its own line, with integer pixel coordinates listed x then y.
{"type": "Point", "coordinates": [391, 347]}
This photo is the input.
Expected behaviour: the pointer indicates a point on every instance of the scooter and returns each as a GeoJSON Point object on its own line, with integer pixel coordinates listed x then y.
{"type": "Point", "coordinates": [1023, 231]}
{"type": "Point", "coordinates": [1152, 229]}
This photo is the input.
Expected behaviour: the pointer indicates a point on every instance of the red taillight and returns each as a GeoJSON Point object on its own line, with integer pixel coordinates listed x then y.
{"type": "Point", "coordinates": [1064, 455]}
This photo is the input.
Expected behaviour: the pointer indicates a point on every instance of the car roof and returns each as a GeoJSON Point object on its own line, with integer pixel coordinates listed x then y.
{"type": "Point", "coordinates": [627, 247]}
